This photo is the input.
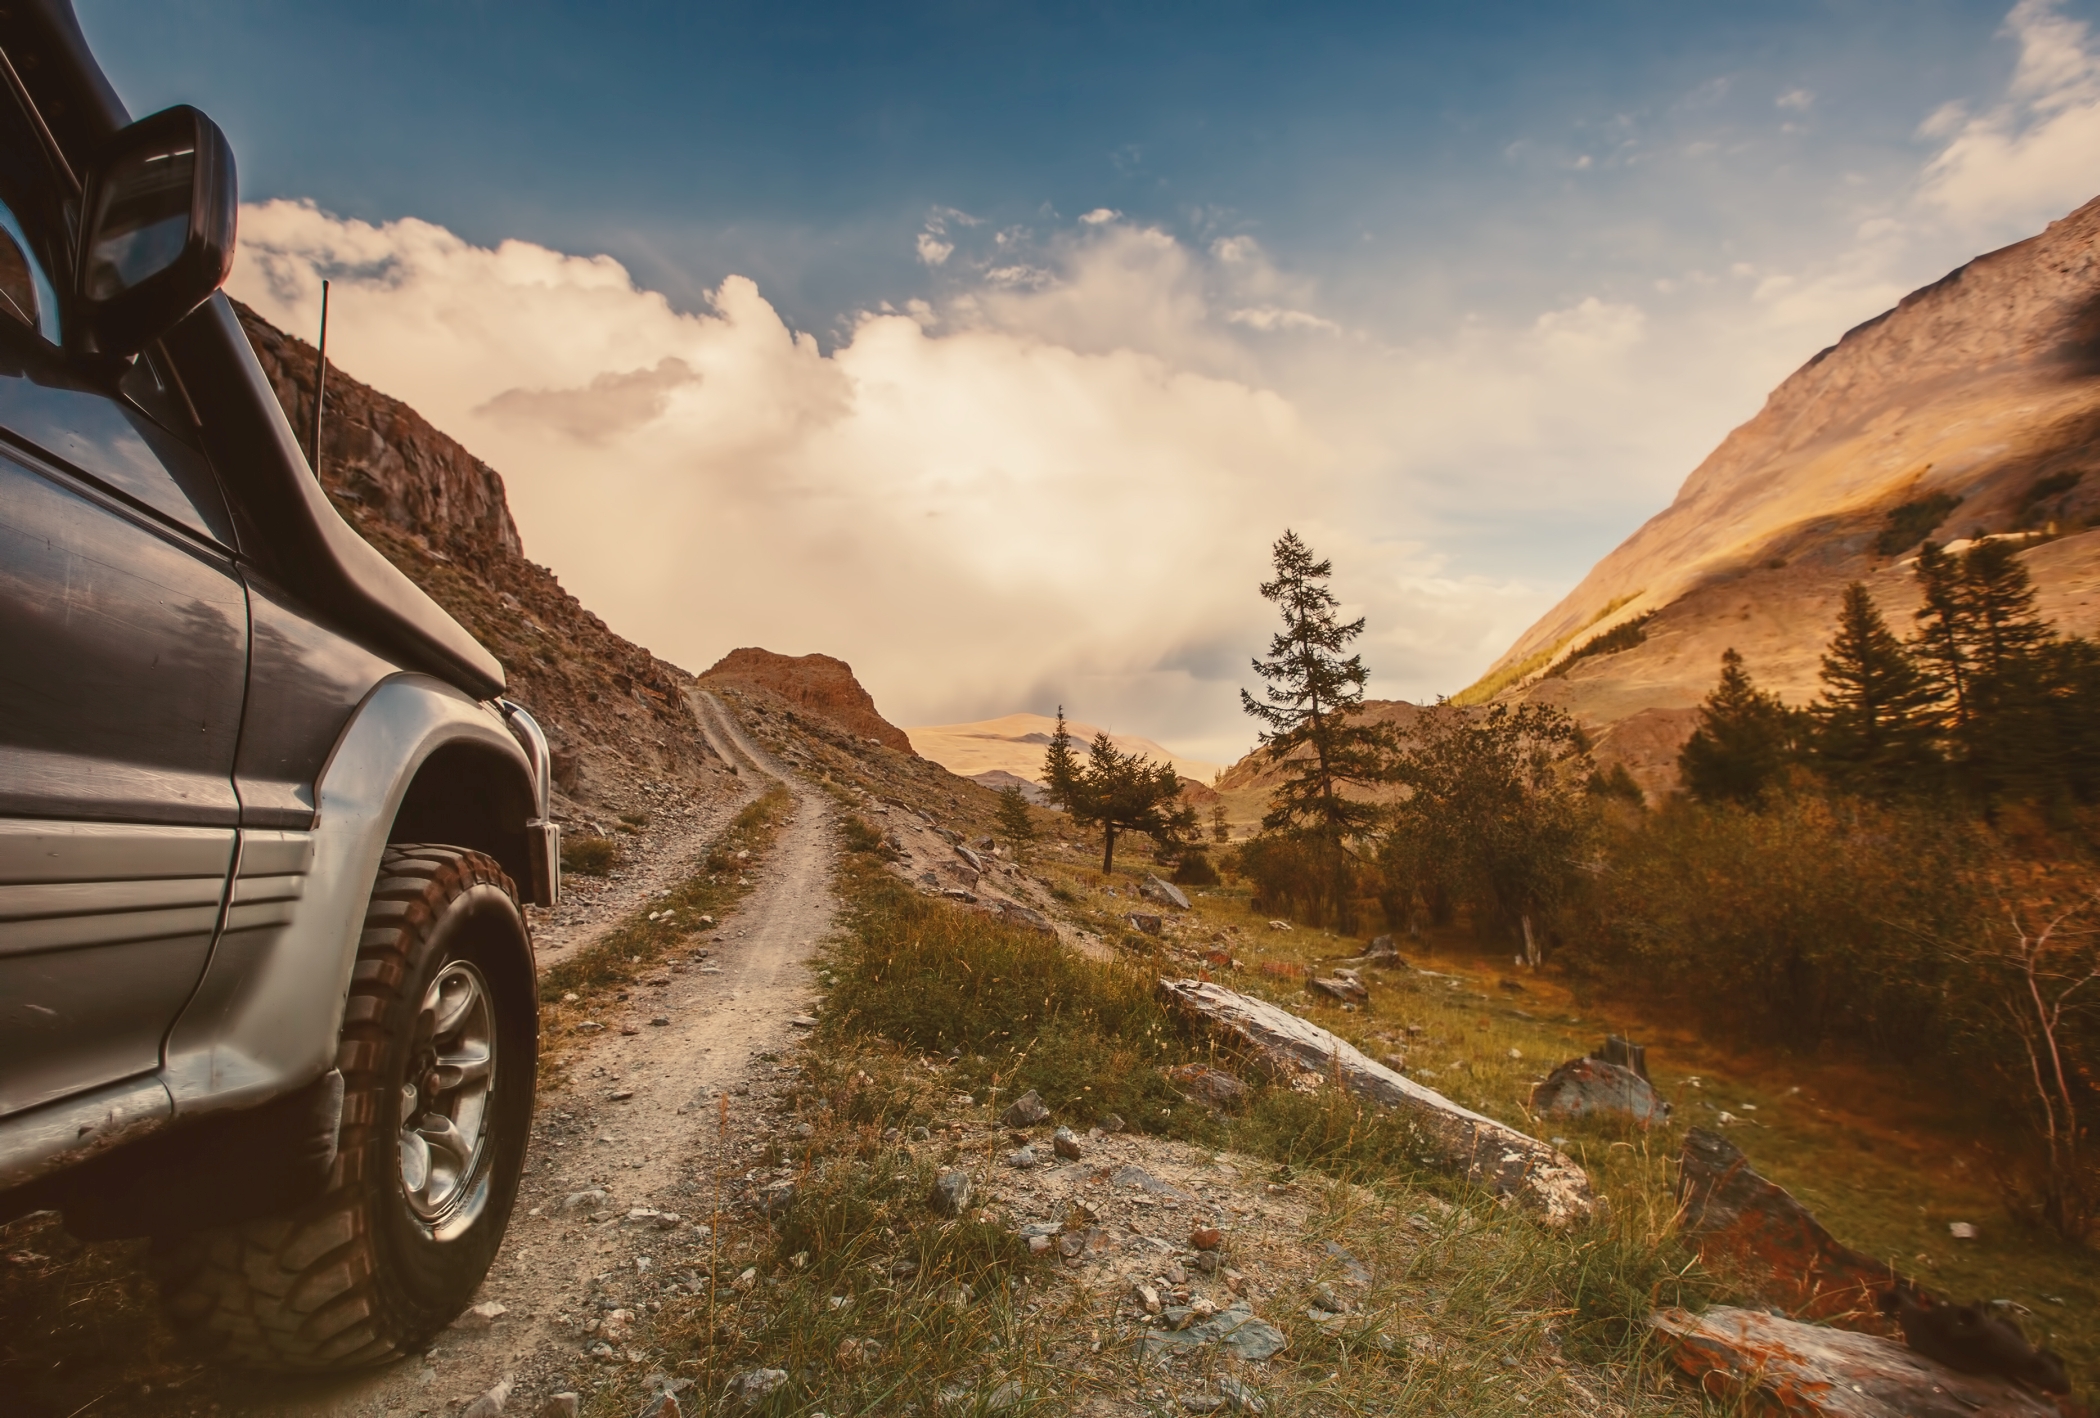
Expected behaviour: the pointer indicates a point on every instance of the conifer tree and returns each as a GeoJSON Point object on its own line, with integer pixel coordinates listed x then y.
{"type": "Point", "coordinates": [1742, 743]}
{"type": "Point", "coordinates": [1116, 791]}
{"type": "Point", "coordinates": [1060, 765]}
{"type": "Point", "coordinates": [1015, 825]}
{"type": "Point", "coordinates": [1308, 717]}
{"type": "Point", "coordinates": [1875, 720]}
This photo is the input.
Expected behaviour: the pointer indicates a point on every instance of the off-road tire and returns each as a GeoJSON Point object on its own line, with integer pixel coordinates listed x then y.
{"type": "Point", "coordinates": [355, 1277]}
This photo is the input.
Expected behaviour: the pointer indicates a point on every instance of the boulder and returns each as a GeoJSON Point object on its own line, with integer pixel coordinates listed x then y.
{"type": "Point", "coordinates": [1015, 914]}
{"type": "Point", "coordinates": [1587, 1088]}
{"type": "Point", "coordinates": [951, 1192]}
{"type": "Point", "coordinates": [1166, 893]}
{"type": "Point", "coordinates": [1208, 1085]}
{"type": "Point", "coordinates": [1753, 1229]}
{"type": "Point", "coordinates": [1815, 1371]}
{"type": "Point", "coordinates": [1025, 1111]}
{"type": "Point", "coordinates": [976, 862]}
{"type": "Point", "coordinates": [1454, 1140]}
{"type": "Point", "coordinates": [1382, 951]}
{"type": "Point", "coordinates": [1150, 925]}
{"type": "Point", "coordinates": [1340, 987]}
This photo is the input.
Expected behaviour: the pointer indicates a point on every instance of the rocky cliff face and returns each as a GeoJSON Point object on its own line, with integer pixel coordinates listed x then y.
{"type": "Point", "coordinates": [818, 683]}
{"type": "Point", "coordinates": [1982, 388]}
{"type": "Point", "coordinates": [615, 714]}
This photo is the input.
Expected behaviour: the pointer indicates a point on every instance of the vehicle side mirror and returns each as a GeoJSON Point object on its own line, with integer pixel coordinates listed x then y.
{"type": "Point", "coordinates": [157, 230]}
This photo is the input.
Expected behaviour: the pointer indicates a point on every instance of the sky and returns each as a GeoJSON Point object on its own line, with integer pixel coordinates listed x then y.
{"type": "Point", "coordinates": [990, 346]}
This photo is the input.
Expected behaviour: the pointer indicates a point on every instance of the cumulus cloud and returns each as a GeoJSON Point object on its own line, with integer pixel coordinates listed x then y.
{"type": "Point", "coordinates": [2034, 154]}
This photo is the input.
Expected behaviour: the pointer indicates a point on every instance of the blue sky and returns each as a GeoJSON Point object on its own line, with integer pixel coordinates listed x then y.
{"type": "Point", "coordinates": [1509, 271]}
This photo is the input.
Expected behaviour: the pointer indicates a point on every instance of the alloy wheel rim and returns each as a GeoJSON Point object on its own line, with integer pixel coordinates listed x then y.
{"type": "Point", "coordinates": [445, 1097]}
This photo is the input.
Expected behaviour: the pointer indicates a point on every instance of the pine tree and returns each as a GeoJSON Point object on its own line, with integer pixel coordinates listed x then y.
{"type": "Point", "coordinates": [1312, 698]}
{"type": "Point", "coordinates": [1060, 765]}
{"type": "Point", "coordinates": [1942, 641]}
{"type": "Point", "coordinates": [1875, 720]}
{"type": "Point", "coordinates": [1742, 743]}
{"type": "Point", "coordinates": [1127, 792]}
{"type": "Point", "coordinates": [1015, 825]}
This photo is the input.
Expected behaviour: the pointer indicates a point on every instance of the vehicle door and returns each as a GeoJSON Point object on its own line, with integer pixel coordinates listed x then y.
{"type": "Point", "coordinates": [123, 655]}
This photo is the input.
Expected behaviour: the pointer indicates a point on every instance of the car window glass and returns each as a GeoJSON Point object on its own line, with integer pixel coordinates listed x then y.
{"type": "Point", "coordinates": [26, 292]}
{"type": "Point", "coordinates": [36, 211]}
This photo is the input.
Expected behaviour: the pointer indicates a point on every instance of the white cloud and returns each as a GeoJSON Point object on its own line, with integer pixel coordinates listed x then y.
{"type": "Point", "coordinates": [2035, 154]}
{"type": "Point", "coordinates": [1795, 100]}
{"type": "Point", "coordinates": [1099, 215]}
{"type": "Point", "coordinates": [974, 519]}
{"type": "Point", "coordinates": [1270, 318]}
{"type": "Point", "coordinates": [934, 251]}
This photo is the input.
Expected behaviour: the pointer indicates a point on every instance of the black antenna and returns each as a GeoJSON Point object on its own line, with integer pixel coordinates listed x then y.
{"type": "Point", "coordinates": [320, 379]}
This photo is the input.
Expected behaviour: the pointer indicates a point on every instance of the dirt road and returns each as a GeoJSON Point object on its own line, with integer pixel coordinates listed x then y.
{"type": "Point", "coordinates": [632, 1132]}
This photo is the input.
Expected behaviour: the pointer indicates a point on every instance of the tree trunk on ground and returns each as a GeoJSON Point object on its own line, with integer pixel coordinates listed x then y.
{"type": "Point", "coordinates": [1454, 1140]}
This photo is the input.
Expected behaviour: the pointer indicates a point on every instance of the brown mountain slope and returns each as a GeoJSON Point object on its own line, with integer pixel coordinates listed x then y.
{"type": "Point", "coordinates": [818, 683]}
{"type": "Point", "coordinates": [1977, 387]}
{"type": "Point", "coordinates": [615, 714]}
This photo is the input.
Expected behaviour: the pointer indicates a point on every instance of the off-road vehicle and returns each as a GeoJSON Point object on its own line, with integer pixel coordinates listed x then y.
{"type": "Point", "coordinates": [266, 986]}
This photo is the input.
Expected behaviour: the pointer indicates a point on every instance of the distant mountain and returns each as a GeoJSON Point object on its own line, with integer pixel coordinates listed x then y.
{"type": "Point", "coordinates": [1972, 408]}
{"type": "Point", "coordinates": [1016, 742]}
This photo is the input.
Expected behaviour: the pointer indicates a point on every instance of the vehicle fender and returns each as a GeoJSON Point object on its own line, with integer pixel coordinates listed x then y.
{"type": "Point", "coordinates": [266, 1014]}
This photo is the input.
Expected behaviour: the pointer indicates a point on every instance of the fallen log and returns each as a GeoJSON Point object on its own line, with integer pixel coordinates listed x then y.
{"type": "Point", "coordinates": [1454, 1140]}
{"type": "Point", "coordinates": [1812, 1371]}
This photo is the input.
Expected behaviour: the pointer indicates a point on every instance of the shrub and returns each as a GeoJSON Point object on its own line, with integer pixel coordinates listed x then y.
{"type": "Point", "coordinates": [1195, 870]}
{"type": "Point", "coordinates": [589, 856]}
{"type": "Point", "coordinates": [1805, 922]}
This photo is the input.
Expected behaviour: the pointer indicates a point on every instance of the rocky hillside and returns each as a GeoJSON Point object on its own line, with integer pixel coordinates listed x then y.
{"type": "Point", "coordinates": [615, 714]}
{"type": "Point", "coordinates": [1970, 409]}
{"type": "Point", "coordinates": [818, 684]}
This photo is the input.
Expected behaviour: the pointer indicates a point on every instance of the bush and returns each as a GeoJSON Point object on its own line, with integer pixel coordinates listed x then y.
{"type": "Point", "coordinates": [1195, 870]}
{"type": "Point", "coordinates": [1805, 922]}
{"type": "Point", "coordinates": [589, 856]}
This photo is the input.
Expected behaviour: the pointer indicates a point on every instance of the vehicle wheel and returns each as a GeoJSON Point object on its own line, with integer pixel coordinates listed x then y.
{"type": "Point", "coordinates": [438, 1054]}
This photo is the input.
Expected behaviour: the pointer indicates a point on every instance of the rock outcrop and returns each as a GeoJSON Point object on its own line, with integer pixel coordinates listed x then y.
{"type": "Point", "coordinates": [818, 683]}
{"type": "Point", "coordinates": [1982, 389]}
{"type": "Point", "coordinates": [614, 713]}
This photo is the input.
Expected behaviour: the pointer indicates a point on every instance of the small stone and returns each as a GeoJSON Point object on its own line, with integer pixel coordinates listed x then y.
{"type": "Point", "coordinates": [1148, 1297]}
{"type": "Point", "coordinates": [752, 1385]}
{"type": "Point", "coordinates": [663, 1405]}
{"type": "Point", "coordinates": [920, 1134]}
{"type": "Point", "coordinates": [1025, 1111]}
{"type": "Point", "coordinates": [1242, 1398]}
{"type": "Point", "coordinates": [630, 1028]}
{"type": "Point", "coordinates": [480, 1317]}
{"type": "Point", "coordinates": [585, 1200]}
{"type": "Point", "coordinates": [590, 1026]}
{"type": "Point", "coordinates": [1207, 1085]}
{"type": "Point", "coordinates": [803, 1021]}
{"type": "Point", "coordinates": [1005, 1398]}
{"type": "Point", "coordinates": [490, 1404]}
{"type": "Point", "coordinates": [951, 1192]}
{"type": "Point", "coordinates": [1149, 924]}
{"type": "Point", "coordinates": [1962, 1230]}
{"type": "Point", "coordinates": [616, 1326]}
{"type": "Point", "coordinates": [1206, 1261]}
{"type": "Point", "coordinates": [561, 1405]}
{"type": "Point", "coordinates": [1023, 1158]}
{"type": "Point", "coordinates": [1173, 1274]}
{"type": "Point", "coordinates": [620, 1095]}
{"type": "Point", "coordinates": [1111, 1122]}
{"type": "Point", "coordinates": [571, 997]}
{"type": "Point", "coordinates": [1039, 1245]}
{"type": "Point", "coordinates": [660, 1020]}
{"type": "Point", "coordinates": [1201, 1403]}
{"type": "Point", "coordinates": [746, 1282]}
{"type": "Point", "coordinates": [1066, 1144]}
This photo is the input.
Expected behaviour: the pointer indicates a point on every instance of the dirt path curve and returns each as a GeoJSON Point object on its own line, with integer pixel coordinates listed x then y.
{"type": "Point", "coordinates": [625, 1135]}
